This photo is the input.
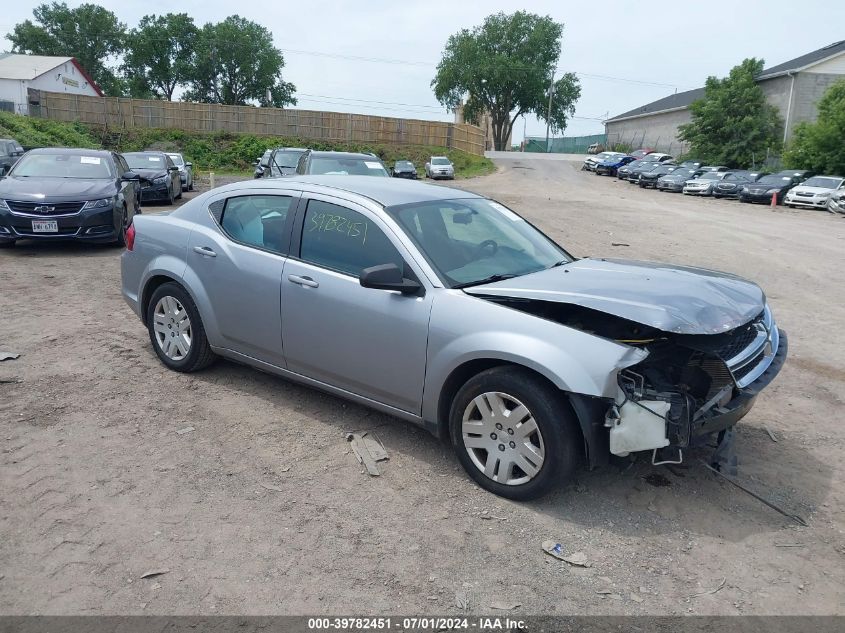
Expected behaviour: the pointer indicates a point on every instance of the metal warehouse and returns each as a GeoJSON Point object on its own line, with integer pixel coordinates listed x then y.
{"type": "Point", "coordinates": [793, 87]}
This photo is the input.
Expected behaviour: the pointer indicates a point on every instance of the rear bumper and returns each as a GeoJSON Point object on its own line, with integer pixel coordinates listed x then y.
{"type": "Point", "coordinates": [90, 225]}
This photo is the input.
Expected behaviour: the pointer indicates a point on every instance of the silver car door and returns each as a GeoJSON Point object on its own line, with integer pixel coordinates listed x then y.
{"type": "Point", "coordinates": [238, 259]}
{"type": "Point", "coordinates": [367, 341]}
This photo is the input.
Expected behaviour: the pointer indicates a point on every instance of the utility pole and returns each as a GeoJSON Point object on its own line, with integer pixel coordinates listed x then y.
{"type": "Point", "coordinates": [549, 113]}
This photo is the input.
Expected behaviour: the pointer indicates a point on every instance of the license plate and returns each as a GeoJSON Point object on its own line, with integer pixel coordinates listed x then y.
{"type": "Point", "coordinates": [45, 226]}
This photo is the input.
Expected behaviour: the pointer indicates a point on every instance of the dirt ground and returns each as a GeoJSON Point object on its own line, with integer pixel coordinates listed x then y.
{"type": "Point", "coordinates": [263, 509]}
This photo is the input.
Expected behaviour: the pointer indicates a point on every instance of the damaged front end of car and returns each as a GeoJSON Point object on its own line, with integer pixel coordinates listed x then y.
{"type": "Point", "coordinates": [692, 387]}
{"type": "Point", "coordinates": [711, 346]}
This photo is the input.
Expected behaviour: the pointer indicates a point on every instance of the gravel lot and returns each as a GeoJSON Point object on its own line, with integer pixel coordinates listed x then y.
{"type": "Point", "coordinates": [263, 509]}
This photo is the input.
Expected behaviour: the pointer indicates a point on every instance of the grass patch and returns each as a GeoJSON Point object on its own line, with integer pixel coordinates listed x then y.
{"type": "Point", "coordinates": [221, 152]}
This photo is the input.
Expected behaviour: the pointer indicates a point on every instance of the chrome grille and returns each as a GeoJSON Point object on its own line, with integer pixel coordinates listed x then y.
{"type": "Point", "coordinates": [44, 209]}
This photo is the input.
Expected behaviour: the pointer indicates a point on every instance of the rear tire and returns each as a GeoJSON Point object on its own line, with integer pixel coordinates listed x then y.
{"type": "Point", "coordinates": [529, 453]}
{"type": "Point", "coordinates": [176, 330]}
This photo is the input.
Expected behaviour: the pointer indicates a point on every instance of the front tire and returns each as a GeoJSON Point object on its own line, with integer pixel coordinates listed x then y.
{"type": "Point", "coordinates": [121, 230]}
{"type": "Point", "coordinates": [176, 330]}
{"type": "Point", "coordinates": [513, 433]}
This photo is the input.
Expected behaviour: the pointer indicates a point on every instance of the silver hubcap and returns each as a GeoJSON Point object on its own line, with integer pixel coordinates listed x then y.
{"type": "Point", "coordinates": [502, 438]}
{"type": "Point", "coordinates": [172, 328]}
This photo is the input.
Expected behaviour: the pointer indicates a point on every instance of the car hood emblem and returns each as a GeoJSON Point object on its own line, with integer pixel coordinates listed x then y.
{"type": "Point", "coordinates": [44, 209]}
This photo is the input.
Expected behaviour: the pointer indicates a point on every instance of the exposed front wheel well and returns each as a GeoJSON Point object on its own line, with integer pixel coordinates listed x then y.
{"type": "Point", "coordinates": [460, 375]}
{"type": "Point", "coordinates": [152, 285]}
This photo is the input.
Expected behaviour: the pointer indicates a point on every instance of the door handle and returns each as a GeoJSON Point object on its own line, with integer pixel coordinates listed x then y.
{"type": "Point", "coordinates": [205, 250]}
{"type": "Point", "coordinates": [303, 281]}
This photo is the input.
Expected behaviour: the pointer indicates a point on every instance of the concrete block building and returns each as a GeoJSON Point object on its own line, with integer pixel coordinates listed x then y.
{"type": "Point", "coordinates": [18, 73]}
{"type": "Point", "coordinates": [793, 87]}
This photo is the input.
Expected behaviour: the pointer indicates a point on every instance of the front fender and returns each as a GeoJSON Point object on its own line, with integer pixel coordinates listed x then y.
{"type": "Point", "coordinates": [574, 361]}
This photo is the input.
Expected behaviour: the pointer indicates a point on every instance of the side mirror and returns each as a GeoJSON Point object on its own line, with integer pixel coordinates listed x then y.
{"type": "Point", "coordinates": [189, 164]}
{"type": "Point", "coordinates": [387, 277]}
{"type": "Point", "coordinates": [174, 168]}
{"type": "Point", "coordinates": [130, 175]}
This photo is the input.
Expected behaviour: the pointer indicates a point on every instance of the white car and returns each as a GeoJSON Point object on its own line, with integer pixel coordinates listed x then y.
{"type": "Point", "coordinates": [703, 184]}
{"type": "Point", "coordinates": [814, 192]}
{"type": "Point", "coordinates": [440, 167]}
{"type": "Point", "coordinates": [591, 161]}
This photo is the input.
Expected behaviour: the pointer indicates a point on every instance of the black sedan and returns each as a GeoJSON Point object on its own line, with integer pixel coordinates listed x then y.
{"type": "Point", "coordinates": [773, 185]}
{"type": "Point", "coordinates": [283, 161]}
{"type": "Point", "coordinates": [404, 169]}
{"type": "Point", "coordinates": [730, 185]}
{"type": "Point", "coordinates": [624, 173]}
{"type": "Point", "coordinates": [674, 182]}
{"type": "Point", "coordinates": [635, 173]}
{"type": "Point", "coordinates": [68, 194]}
{"type": "Point", "coordinates": [160, 180]}
{"type": "Point", "coordinates": [10, 152]}
{"type": "Point", "coordinates": [648, 179]}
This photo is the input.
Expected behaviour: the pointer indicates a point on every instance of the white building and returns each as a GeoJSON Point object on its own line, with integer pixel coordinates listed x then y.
{"type": "Point", "coordinates": [53, 74]}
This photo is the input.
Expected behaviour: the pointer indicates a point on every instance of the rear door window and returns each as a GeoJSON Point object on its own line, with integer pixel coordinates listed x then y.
{"type": "Point", "coordinates": [261, 221]}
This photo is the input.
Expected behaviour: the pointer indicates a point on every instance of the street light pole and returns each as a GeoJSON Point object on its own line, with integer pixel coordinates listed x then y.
{"type": "Point", "coordinates": [549, 113]}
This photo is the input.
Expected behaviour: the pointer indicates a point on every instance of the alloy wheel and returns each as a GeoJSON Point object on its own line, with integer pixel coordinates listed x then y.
{"type": "Point", "coordinates": [502, 438]}
{"type": "Point", "coordinates": [172, 327]}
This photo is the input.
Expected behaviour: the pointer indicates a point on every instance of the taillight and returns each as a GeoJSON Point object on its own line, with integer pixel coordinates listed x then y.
{"type": "Point", "coordinates": [130, 237]}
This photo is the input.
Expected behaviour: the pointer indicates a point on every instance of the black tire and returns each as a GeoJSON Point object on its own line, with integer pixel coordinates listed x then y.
{"type": "Point", "coordinates": [200, 355]}
{"type": "Point", "coordinates": [171, 199]}
{"type": "Point", "coordinates": [179, 195]}
{"type": "Point", "coordinates": [191, 184]}
{"type": "Point", "coordinates": [555, 422]}
{"type": "Point", "coordinates": [121, 230]}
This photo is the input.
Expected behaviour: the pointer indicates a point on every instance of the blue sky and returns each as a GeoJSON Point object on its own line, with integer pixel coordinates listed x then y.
{"type": "Point", "coordinates": [622, 50]}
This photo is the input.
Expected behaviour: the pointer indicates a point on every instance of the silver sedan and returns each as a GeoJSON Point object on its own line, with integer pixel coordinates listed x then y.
{"type": "Point", "coordinates": [450, 310]}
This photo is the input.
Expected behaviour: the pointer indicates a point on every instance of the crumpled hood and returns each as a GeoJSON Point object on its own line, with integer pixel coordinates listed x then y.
{"type": "Point", "coordinates": [32, 189]}
{"type": "Point", "coordinates": [678, 299]}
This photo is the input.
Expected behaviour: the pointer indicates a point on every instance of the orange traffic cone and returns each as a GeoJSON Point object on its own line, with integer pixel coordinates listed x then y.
{"type": "Point", "coordinates": [774, 200]}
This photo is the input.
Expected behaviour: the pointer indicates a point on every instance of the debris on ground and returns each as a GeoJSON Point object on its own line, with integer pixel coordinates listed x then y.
{"type": "Point", "coordinates": [707, 593]}
{"type": "Point", "coordinates": [270, 487]}
{"type": "Point", "coordinates": [155, 572]}
{"type": "Point", "coordinates": [619, 244]}
{"type": "Point", "coordinates": [8, 355]}
{"type": "Point", "coordinates": [369, 450]}
{"type": "Point", "coordinates": [578, 559]}
{"type": "Point", "coordinates": [657, 480]}
{"type": "Point", "coordinates": [504, 606]}
{"type": "Point", "coordinates": [461, 600]}
{"type": "Point", "coordinates": [790, 545]}
{"type": "Point", "coordinates": [187, 429]}
{"type": "Point", "coordinates": [794, 517]}
{"type": "Point", "coordinates": [772, 436]}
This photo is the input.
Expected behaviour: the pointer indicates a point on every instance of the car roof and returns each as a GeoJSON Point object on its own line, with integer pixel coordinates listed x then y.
{"type": "Point", "coordinates": [387, 192]}
{"type": "Point", "coordinates": [146, 151]}
{"type": "Point", "coordinates": [290, 149]}
{"type": "Point", "coordinates": [356, 155]}
{"type": "Point", "coordinates": [76, 151]}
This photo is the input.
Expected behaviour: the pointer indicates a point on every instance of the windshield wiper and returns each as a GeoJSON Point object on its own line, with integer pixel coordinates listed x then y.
{"type": "Point", "coordinates": [486, 280]}
{"type": "Point", "coordinates": [560, 263]}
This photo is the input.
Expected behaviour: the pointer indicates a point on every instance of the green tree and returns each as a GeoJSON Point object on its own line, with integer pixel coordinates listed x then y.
{"type": "Point", "coordinates": [158, 55]}
{"type": "Point", "coordinates": [236, 63]}
{"type": "Point", "coordinates": [733, 124]}
{"type": "Point", "coordinates": [820, 146]}
{"type": "Point", "coordinates": [88, 32]}
{"type": "Point", "coordinates": [504, 67]}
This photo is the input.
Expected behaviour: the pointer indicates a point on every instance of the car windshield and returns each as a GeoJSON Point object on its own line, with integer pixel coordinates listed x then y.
{"type": "Point", "coordinates": [404, 164]}
{"type": "Point", "coordinates": [774, 180]}
{"type": "Point", "coordinates": [472, 241]}
{"type": "Point", "coordinates": [822, 181]}
{"type": "Point", "coordinates": [711, 175]}
{"type": "Point", "coordinates": [142, 160]}
{"type": "Point", "coordinates": [287, 158]}
{"type": "Point", "coordinates": [347, 167]}
{"type": "Point", "coordinates": [62, 166]}
{"type": "Point", "coordinates": [177, 159]}
{"type": "Point", "coordinates": [265, 158]}
{"type": "Point", "coordinates": [440, 161]}
{"type": "Point", "coordinates": [605, 155]}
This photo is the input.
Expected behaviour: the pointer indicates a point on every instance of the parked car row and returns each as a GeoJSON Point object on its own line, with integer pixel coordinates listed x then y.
{"type": "Point", "coordinates": [286, 161]}
{"type": "Point", "coordinates": [652, 170]}
{"type": "Point", "coordinates": [82, 194]}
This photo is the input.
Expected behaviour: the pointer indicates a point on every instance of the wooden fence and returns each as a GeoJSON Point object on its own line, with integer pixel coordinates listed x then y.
{"type": "Point", "coordinates": [123, 113]}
